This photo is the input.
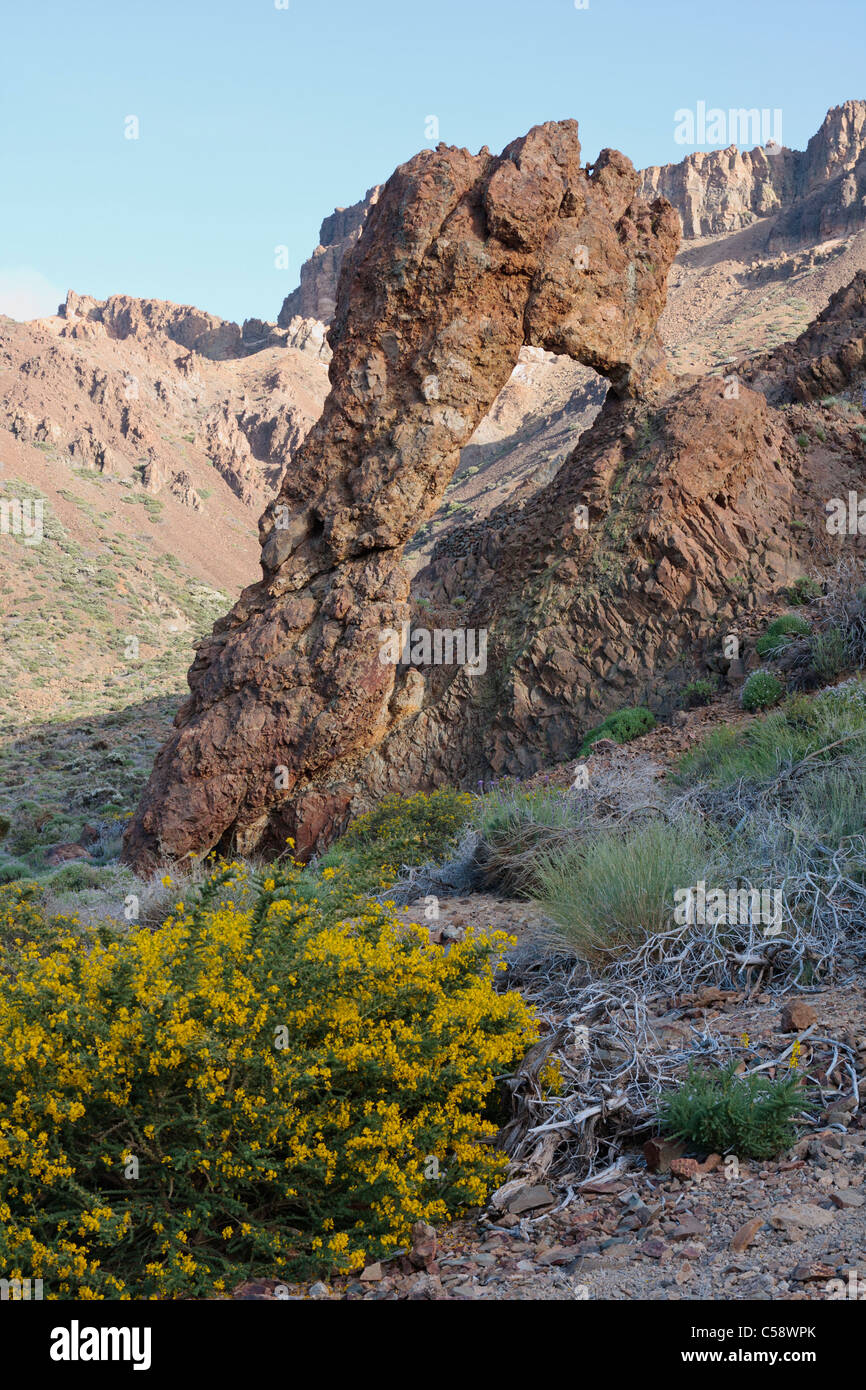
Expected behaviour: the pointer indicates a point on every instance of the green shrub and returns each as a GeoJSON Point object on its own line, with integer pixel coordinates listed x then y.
{"type": "Point", "coordinates": [246, 1090]}
{"type": "Point", "coordinates": [830, 804]}
{"type": "Point", "coordinates": [622, 727]}
{"type": "Point", "coordinates": [780, 632]}
{"type": "Point", "coordinates": [5, 824]}
{"type": "Point", "coordinates": [13, 869]}
{"type": "Point", "coordinates": [720, 1112]}
{"type": "Point", "coordinates": [762, 690]}
{"type": "Point", "coordinates": [699, 691]}
{"type": "Point", "coordinates": [804, 590]}
{"type": "Point", "coordinates": [605, 892]}
{"type": "Point", "coordinates": [829, 653]}
{"type": "Point", "coordinates": [74, 878]}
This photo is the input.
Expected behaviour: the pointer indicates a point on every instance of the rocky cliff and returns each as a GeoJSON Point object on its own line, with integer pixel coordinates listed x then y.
{"type": "Point", "coordinates": [820, 190]}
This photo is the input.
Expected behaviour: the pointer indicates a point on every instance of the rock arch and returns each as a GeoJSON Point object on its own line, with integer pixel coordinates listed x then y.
{"type": "Point", "coordinates": [463, 260]}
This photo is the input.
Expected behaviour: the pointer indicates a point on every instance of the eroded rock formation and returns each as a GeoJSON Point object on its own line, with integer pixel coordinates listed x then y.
{"type": "Point", "coordinates": [463, 260]}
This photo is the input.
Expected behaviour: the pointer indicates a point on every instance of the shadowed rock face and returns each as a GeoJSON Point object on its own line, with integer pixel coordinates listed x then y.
{"type": "Point", "coordinates": [462, 261]}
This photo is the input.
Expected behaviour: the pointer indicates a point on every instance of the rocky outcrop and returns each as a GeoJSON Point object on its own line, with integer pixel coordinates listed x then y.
{"type": "Point", "coordinates": [820, 190]}
{"type": "Point", "coordinates": [316, 295]}
{"type": "Point", "coordinates": [824, 359]}
{"type": "Point", "coordinates": [463, 260]}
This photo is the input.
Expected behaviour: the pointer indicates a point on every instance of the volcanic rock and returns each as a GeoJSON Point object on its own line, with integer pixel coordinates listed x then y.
{"type": "Point", "coordinates": [463, 259]}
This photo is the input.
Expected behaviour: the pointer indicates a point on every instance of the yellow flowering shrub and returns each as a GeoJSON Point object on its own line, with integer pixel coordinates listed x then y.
{"type": "Point", "coordinates": [252, 1088]}
{"type": "Point", "coordinates": [401, 830]}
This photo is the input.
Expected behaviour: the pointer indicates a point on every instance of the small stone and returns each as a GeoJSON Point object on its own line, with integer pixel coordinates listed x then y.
{"type": "Point", "coordinates": [659, 1153]}
{"type": "Point", "coordinates": [804, 1274]}
{"type": "Point", "coordinates": [684, 1168]}
{"type": "Point", "coordinates": [529, 1198]}
{"type": "Point", "coordinates": [318, 1290]}
{"type": "Point", "coordinates": [687, 1229]}
{"type": "Point", "coordinates": [847, 1197]}
{"type": "Point", "coordinates": [654, 1247]}
{"type": "Point", "coordinates": [797, 1016]}
{"type": "Point", "coordinates": [805, 1216]}
{"type": "Point", "coordinates": [559, 1255]}
{"type": "Point", "coordinates": [372, 1273]}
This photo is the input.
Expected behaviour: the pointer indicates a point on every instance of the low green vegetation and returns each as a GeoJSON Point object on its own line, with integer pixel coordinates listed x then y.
{"type": "Point", "coordinates": [804, 590]}
{"type": "Point", "coordinates": [622, 727]}
{"type": "Point", "coordinates": [780, 633]}
{"type": "Point", "coordinates": [762, 690]}
{"type": "Point", "coordinates": [699, 691]}
{"type": "Point", "coordinates": [803, 727]}
{"type": "Point", "coordinates": [606, 892]}
{"type": "Point", "coordinates": [721, 1112]}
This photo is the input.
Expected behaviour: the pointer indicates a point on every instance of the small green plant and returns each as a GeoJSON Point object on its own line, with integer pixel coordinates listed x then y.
{"type": "Point", "coordinates": [803, 590]}
{"type": "Point", "coordinates": [803, 440]}
{"type": "Point", "coordinates": [721, 1112]}
{"type": "Point", "coordinates": [622, 727]}
{"type": "Point", "coordinates": [762, 690]}
{"type": "Point", "coordinates": [780, 633]}
{"type": "Point", "coordinates": [74, 878]}
{"type": "Point", "coordinates": [829, 653]}
{"type": "Point", "coordinates": [699, 691]}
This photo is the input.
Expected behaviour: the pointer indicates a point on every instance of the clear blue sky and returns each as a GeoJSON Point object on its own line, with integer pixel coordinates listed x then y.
{"type": "Point", "coordinates": [256, 121]}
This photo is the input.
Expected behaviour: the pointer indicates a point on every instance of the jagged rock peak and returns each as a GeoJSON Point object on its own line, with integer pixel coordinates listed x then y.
{"type": "Point", "coordinates": [125, 316]}
{"type": "Point", "coordinates": [316, 295]}
{"type": "Point", "coordinates": [718, 191]}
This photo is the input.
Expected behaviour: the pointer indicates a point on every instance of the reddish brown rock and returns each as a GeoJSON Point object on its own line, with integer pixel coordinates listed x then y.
{"type": "Point", "coordinates": [462, 261]}
{"type": "Point", "coordinates": [684, 1168]}
{"type": "Point", "coordinates": [797, 1016]}
{"type": "Point", "coordinates": [62, 854]}
{"type": "Point", "coordinates": [660, 1153]}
